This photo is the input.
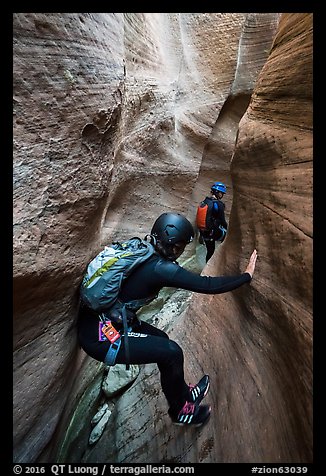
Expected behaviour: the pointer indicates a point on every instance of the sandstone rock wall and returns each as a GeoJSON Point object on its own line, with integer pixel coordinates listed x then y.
{"type": "Point", "coordinates": [255, 343]}
{"type": "Point", "coordinates": [118, 117]}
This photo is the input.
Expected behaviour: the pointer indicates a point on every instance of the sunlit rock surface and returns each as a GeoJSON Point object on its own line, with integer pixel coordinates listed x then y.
{"type": "Point", "coordinates": [117, 118]}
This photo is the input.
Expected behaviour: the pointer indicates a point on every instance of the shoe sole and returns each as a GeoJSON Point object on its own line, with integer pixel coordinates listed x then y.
{"type": "Point", "coordinates": [205, 393]}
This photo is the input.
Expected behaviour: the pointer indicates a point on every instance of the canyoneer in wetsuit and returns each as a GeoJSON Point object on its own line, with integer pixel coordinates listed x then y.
{"type": "Point", "coordinates": [214, 227]}
{"type": "Point", "coordinates": [170, 234]}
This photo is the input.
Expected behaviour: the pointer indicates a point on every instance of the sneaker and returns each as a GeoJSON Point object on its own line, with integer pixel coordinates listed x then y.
{"type": "Point", "coordinates": [198, 392]}
{"type": "Point", "coordinates": [192, 414]}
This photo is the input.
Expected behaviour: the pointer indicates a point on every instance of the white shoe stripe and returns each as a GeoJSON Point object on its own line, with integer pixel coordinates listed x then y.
{"type": "Point", "coordinates": [195, 392]}
{"type": "Point", "coordinates": [185, 418]}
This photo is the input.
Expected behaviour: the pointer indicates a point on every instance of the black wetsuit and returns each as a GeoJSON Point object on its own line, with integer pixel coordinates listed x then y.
{"type": "Point", "coordinates": [147, 344]}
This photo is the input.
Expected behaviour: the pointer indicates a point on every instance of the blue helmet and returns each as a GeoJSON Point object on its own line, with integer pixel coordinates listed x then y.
{"type": "Point", "coordinates": [218, 186]}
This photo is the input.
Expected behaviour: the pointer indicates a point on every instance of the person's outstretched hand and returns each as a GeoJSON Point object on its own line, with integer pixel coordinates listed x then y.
{"type": "Point", "coordinates": [252, 263]}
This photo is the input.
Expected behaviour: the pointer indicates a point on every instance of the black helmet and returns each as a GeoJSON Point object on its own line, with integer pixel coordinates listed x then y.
{"type": "Point", "coordinates": [171, 228]}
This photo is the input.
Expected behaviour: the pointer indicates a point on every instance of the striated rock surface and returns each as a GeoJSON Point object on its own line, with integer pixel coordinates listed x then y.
{"type": "Point", "coordinates": [117, 118]}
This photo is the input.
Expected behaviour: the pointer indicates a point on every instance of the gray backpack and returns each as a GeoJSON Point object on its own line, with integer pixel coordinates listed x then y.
{"type": "Point", "coordinates": [107, 271]}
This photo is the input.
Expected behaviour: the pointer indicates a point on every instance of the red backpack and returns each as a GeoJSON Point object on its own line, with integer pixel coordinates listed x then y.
{"type": "Point", "coordinates": [204, 218]}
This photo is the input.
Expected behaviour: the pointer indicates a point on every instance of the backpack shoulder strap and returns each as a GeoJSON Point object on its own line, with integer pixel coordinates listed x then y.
{"type": "Point", "coordinates": [215, 201]}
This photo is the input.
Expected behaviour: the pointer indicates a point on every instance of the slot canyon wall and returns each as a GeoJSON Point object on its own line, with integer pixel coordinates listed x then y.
{"type": "Point", "coordinates": [117, 118]}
